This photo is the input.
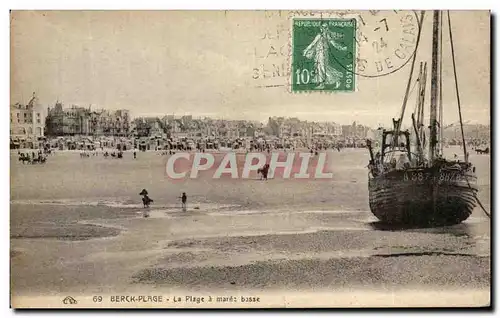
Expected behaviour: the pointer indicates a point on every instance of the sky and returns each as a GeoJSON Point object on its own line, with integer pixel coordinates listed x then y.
{"type": "Point", "coordinates": [213, 63]}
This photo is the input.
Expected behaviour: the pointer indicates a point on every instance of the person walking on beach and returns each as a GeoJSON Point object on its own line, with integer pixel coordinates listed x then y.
{"type": "Point", "coordinates": [135, 154]}
{"type": "Point", "coordinates": [146, 200]}
{"type": "Point", "coordinates": [184, 201]}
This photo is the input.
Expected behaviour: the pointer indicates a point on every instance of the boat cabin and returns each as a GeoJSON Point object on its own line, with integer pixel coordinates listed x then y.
{"type": "Point", "coordinates": [395, 152]}
{"type": "Point", "coordinates": [394, 143]}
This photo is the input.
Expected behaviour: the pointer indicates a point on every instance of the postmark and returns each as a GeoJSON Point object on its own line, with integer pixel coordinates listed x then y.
{"type": "Point", "coordinates": [385, 40]}
{"type": "Point", "coordinates": [323, 54]}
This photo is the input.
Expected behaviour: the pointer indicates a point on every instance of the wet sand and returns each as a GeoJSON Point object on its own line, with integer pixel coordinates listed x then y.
{"type": "Point", "coordinates": [252, 235]}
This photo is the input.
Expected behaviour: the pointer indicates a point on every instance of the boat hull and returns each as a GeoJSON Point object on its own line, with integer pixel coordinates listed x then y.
{"type": "Point", "coordinates": [425, 196]}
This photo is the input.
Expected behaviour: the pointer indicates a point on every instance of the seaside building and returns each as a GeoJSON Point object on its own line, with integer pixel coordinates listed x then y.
{"type": "Point", "coordinates": [148, 127]}
{"type": "Point", "coordinates": [76, 120]}
{"type": "Point", "coordinates": [27, 124]}
{"type": "Point", "coordinates": [27, 120]}
{"type": "Point", "coordinates": [120, 122]}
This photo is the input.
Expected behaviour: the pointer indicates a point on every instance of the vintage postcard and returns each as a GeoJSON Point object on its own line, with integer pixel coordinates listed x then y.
{"type": "Point", "coordinates": [250, 159]}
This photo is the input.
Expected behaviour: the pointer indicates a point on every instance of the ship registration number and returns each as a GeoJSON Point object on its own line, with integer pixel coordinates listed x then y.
{"type": "Point", "coordinates": [441, 177]}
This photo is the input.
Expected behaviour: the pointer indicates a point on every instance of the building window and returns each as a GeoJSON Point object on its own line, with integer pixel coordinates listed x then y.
{"type": "Point", "coordinates": [38, 121]}
{"type": "Point", "coordinates": [25, 115]}
{"type": "Point", "coordinates": [17, 115]}
{"type": "Point", "coordinates": [37, 114]}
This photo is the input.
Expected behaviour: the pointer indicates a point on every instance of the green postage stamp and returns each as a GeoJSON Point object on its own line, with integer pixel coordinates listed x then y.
{"type": "Point", "coordinates": [323, 55]}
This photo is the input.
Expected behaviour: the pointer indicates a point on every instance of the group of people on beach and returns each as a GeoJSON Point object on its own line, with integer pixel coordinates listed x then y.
{"type": "Point", "coordinates": [169, 152]}
{"type": "Point", "coordinates": [106, 154]}
{"type": "Point", "coordinates": [32, 158]}
{"type": "Point", "coordinates": [117, 155]}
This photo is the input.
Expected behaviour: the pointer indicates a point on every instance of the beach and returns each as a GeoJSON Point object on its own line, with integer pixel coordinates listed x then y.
{"type": "Point", "coordinates": [78, 227]}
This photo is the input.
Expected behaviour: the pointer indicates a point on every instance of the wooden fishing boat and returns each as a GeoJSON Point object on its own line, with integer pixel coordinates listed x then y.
{"type": "Point", "coordinates": [408, 185]}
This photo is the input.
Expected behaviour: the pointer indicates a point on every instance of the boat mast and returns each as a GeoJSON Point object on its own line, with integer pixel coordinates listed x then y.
{"type": "Point", "coordinates": [421, 124]}
{"type": "Point", "coordinates": [434, 86]}
{"type": "Point", "coordinates": [419, 96]}
{"type": "Point", "coordinates": [416, 123]}
{"type": "Point", "coordinates": [441, 123]}
{"type": "Point", "coordinates": [421, 103]}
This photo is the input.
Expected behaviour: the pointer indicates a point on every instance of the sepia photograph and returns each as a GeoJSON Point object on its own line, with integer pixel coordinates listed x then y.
{"type": "Point", "coordinates": [250, 159]}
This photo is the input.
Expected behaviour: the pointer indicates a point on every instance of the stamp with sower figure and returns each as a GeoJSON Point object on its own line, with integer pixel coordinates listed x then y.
{"type": "Point", "coordinates": [328, 53]}
{"type": "Point", "coordinates": [323, 54]}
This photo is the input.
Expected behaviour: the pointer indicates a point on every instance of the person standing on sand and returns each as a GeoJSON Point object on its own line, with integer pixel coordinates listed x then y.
{"type": "Point", "coordinates": [146, 201]}
{"type": "Point", "coordinates": [135, 154]}
{"type": "Point", "coordinates": [184, 201]}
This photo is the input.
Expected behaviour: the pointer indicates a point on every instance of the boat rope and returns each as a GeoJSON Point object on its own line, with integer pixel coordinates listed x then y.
{"type": "Point", "coordinates": [405, 100]}
{"type": "Point", "coordinates": [456, 89]}
{"type": "Point", "coordinates": [482, 207]}
{"type": "Point", "coordinates": [411, 91]}
{"type": "Point", "coordinates": [479, 201]}
{"type": "Point", "coordinates": [460, 111]}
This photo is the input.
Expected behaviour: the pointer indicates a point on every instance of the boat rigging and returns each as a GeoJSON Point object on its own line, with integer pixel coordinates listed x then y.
{"type": "Point", "coordinates": [421, 186]}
